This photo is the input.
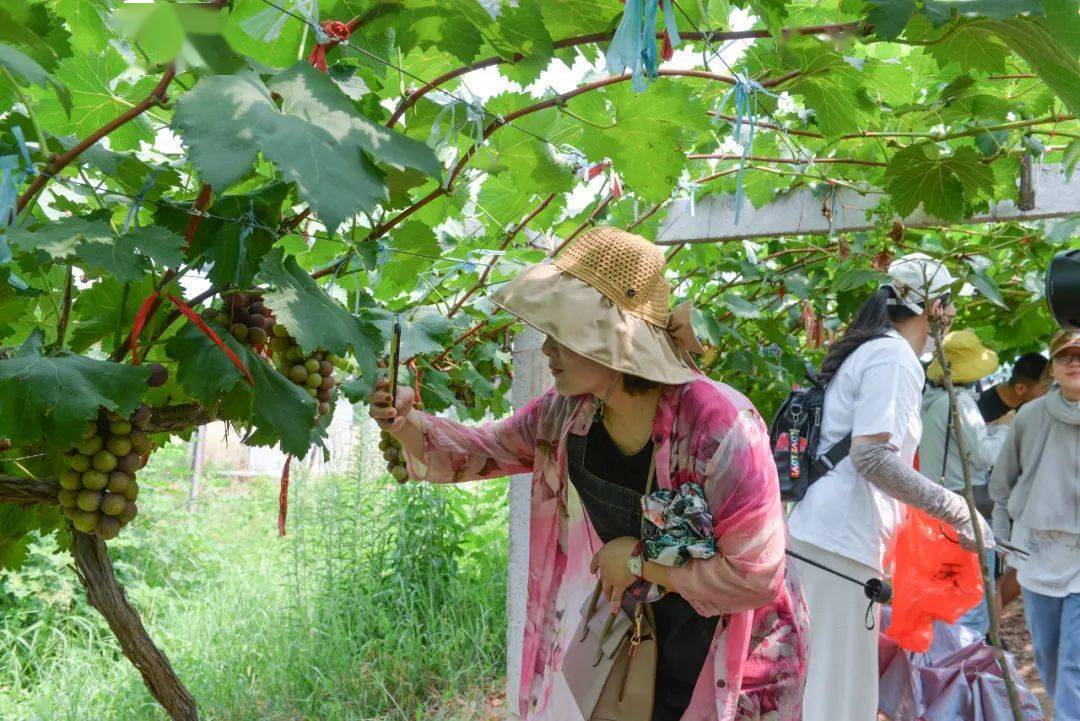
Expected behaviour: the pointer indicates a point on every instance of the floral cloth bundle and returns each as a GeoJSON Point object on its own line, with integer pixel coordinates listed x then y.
{"type": "Point", "coordinates": [678, 525]}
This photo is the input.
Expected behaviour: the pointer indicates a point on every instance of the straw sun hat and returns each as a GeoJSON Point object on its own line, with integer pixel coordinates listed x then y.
{"type": "Point", "coordinates": [969, 359]}
{"type": "Point", "coordinates": [605, 297]}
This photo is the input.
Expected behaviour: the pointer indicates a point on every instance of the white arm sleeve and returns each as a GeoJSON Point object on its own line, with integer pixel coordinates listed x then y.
{"type": "Point", "coordinates": [879, 464]}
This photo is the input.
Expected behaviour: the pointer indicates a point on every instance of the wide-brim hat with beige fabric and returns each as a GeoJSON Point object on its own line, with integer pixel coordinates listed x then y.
{"type": "Point", "coordinates": [604, 297]}
{"type": "Point", "coordinates": [969, 359]}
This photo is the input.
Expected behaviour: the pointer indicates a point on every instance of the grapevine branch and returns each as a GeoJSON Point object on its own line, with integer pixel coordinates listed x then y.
{"type": "Point", "coordinates": [105, 593]}
{"type": "Point", "coordinates": [552, 102]}
{"type": "Point", "coordinates": [156, 96]}
{"type": "Point", "coordinates": [709, 36]}
{"type": "Point", "coordinates": [969, 495]}
{"type": "Point", "coordinates": [503, 246]}
{"type": "Point", "coordinates": [786, 161]}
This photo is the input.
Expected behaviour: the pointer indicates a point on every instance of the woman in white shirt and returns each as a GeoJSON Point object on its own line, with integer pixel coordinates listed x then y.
{"type": "Point", "coordinates": [1035, 486]}
{"type": "Point", "coordinates": [849, 516]}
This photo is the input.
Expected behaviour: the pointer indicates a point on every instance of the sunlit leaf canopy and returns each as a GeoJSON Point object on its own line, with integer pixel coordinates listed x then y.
{"type": "Point", "coordinates": [450, 143]}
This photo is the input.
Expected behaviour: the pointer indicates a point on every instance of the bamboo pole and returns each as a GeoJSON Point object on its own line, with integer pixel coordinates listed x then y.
{"type": "Point", "coordinates": [937, 331]}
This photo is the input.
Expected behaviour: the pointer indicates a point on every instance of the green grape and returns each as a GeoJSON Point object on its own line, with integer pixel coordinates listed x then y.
{"type": "Point", "coordinates": [239, 331]}
{"type": "Point", "coordinates": [298, 374]}
{"type": "Point", "coordinates": [108, 528]}
{"type": "Point", "coordinates": [294, 353]}
{"type": "Point", "coordinates": [313, 392]}
{"type": "Point", "coordinates": [281, 331]}
{"type": "Point", "coordinates": [140, 443]}
{"type": "Point", "coordinates": [90, 446]}
{"type": "Point", "coordinates": [68, 499]}
{"type": "Point", "coordinates": [400, 474]}
{"type": "Point", "coordinates": [89, 500]}
{"type": "Point", "coordinates": [94, 480]}
{"type": "Point", "coordinates": [314, 380]}
{"type": "Point", "coordinates": [311, 365]}
{"type": "Point", "coordinates": [129, 463]}
{"type": "Point", "coordinates": [86, 521]}
{"type": "Point", "coordinates": [79, 463]}
{"type": "Point", "coordinates": [113, 504]}
{"type": "Point", "coordinates": [104, 461]}
{"type": "Point", "coordinates": [118, 482]}
{"type": "Point", "coordinates": [119, 445]}
{"type": "Point", "coordinates": [70, 513]}
{"type": "Point", "coordinates": [120, 428]}
{"type": "Point", "coordinates": [129, 512]}
{"type": "Point", "coordinates": [70, 479]}
{"type": "Point", "coordinates": [132, 491]}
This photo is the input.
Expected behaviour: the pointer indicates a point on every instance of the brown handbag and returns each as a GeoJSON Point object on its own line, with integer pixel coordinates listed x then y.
{"type": "Point", "coordinates": [610, 666]}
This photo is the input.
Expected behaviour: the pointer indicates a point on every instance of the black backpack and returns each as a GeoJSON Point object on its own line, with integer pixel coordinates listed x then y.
{"type": "Point", "coordinates": [795, 433]}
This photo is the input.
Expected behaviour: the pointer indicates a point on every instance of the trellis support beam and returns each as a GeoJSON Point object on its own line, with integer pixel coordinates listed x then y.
{"type": "Point", "coordinates": [806, 212]}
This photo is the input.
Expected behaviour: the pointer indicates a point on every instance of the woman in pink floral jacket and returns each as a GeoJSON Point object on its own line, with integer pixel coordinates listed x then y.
{"type": "Point", "coordinates": [732, 624]}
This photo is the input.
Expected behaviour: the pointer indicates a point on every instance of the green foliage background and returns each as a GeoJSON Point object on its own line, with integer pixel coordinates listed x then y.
{"type": "Point", "coordinates": [363, 192]}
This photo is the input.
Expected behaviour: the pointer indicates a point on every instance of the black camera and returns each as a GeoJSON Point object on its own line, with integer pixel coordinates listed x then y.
{"type": "Point", "coordinates": [1063, 289]}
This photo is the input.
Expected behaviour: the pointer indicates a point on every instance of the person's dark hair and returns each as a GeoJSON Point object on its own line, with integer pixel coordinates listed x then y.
{"type": "Point", "coordinates": [874, 318]}
{"type": "Point", "coordinates": [1029, 367]}
{"type": "Point", "coordinates": [636, 385]}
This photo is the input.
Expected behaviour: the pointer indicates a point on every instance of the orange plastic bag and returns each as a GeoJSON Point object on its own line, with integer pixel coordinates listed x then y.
{"type": "Point", "coordinates": [935, 579]}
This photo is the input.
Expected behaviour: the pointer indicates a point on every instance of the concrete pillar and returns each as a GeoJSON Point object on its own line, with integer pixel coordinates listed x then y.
{"type": "Point", "coordinates": [531, 378]}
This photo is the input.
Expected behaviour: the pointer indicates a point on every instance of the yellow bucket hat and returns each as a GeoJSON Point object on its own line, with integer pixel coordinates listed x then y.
{"type": "Point", "coordinates": [605, 297]}
{"type": "Point", "coordinates": [968, 358]}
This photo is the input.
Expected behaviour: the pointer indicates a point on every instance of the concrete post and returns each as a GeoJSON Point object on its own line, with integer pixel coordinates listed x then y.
{"type": "Point", "coordinates": [531, 378]}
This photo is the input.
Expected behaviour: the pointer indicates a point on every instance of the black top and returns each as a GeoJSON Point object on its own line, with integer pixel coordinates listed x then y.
{"type": "Point", "coordinates": [610, 484]}
{"type": "Point", "coordinates": [991, 406]}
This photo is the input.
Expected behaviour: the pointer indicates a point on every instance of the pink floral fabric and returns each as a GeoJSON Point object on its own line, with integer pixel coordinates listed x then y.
{"type": "Point", "coordinates": [704, 432]}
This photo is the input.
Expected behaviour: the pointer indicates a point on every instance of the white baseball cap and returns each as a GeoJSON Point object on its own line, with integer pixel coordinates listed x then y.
{"type": "Point", "coordinates": [917, 278]}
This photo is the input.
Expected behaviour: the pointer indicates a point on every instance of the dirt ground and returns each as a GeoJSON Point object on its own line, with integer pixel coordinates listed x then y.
{"type": "Point", "coordinates": [1014, 632]}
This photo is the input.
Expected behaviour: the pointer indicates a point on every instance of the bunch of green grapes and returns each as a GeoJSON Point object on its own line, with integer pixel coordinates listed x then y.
{"type": "Point", "coordinates": [313, 371]}
{"type": "Point", "coordinates": [394, 456]}
{"type": "Point", "coordinates": [98, 487]}
{"type": "Point", "coordinates": [247, 318]}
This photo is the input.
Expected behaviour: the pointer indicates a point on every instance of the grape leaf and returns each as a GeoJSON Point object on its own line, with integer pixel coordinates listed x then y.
{"type": "Point", "coordinates": [163, 246]}
{"type": "Point", "coordinates": [316, 139]}
{"type": "Point", "coordinates": [1070, 158]}
{"type": "Point", "coordinates": [647, 142]}
{"type": "Point", "coordinates": [939, 12]}
{"type": "Point", "coordinates": [95, 245]}
{"type": "Point", "coordinates": [280, 409]}
{"type": "Point", "coordinates": [34, 30]}
{"type": "Point", "coordinates": [888, 17]}
{"type": "Point", "coordinates": [85, 20]}
{"type": "Point", "coordinates": [313, 319]}
{"type": "Point", "coordinates": [313, 96]}
{"type": "Point", "coordinates": [97, 97]}
{"type": "Point", "coordinates": [944, 186]}
{"type": "Point", "coordinates": [986, 285]}
{"type": "Point", "coordinates": [431, 23]}
{"type": "Point", "coordinates": [1052, 58]}
{"type": "Point", "coordinates": [55, 396]}
{"type": "Point", "coordinates": [203, 370]}
{"type": "Point", "coordinates": [565, 18]}
{"type": "Point", "coordinates": [972, 50]}
{"type": "Point", "coordinates": [106, 311]}
{"type": "Point", "coordinates": [26, 68]}
{"type": "Point", "coordinates": [740, 307]}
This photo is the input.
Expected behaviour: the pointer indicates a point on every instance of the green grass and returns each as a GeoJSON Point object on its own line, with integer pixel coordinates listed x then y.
{"type": "Point", "coordinates": [384, 602]}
